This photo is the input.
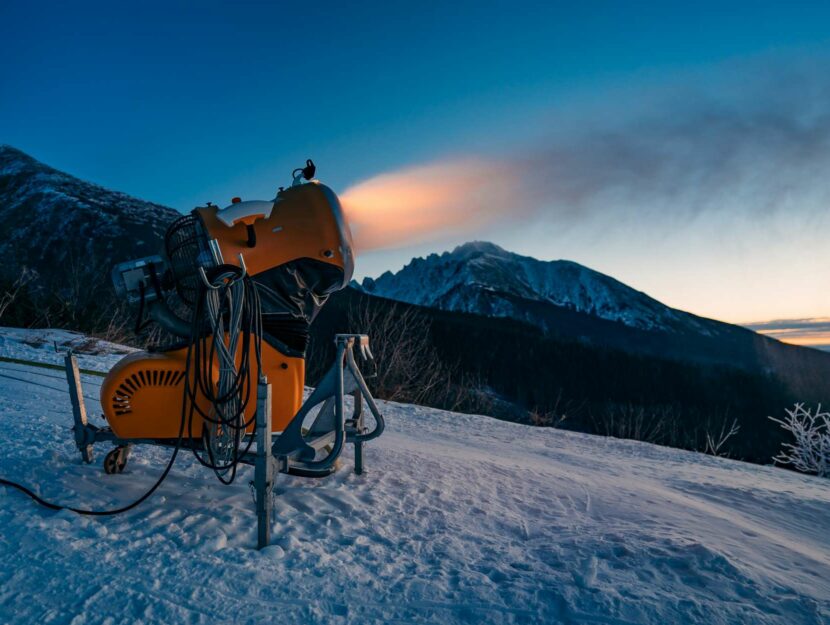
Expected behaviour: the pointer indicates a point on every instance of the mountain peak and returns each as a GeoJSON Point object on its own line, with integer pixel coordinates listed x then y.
{"type": "Point", "coordinates": [6, 149]}
{"type": "Point", "coordinates": [483, 278]}
{"type": "Point", "coordinates": [11, 153]}
{"type": "Point", "coordinates": [479, 247]}
{"type": "Point", "coordinates": [12, 156]}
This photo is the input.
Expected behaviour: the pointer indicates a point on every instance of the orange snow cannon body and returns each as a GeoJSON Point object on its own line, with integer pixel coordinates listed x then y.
{"type": "Point", "coordinates": [144, 393]}
{"type": "Point", "coordinates": [296, 248]}
{"type": "Point", "coordinates": [235, 291]}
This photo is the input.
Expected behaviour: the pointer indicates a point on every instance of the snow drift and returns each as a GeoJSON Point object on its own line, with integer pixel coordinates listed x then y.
{"type": "Point", "coordinates": [459, 519]}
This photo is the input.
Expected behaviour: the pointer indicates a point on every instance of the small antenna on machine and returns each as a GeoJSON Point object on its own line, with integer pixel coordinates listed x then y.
{"type": "Point", "coordinates": [304, 173]}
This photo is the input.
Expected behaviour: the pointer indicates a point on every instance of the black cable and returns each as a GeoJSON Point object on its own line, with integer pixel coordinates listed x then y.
{"type": "Point", "coordinates": [139, 318]}
{"type": "Point", "coordinates": [200, 359]}
{"type": "Point", "coordinates": [251, 313]}
{"type": "Point", "coordinates": [144, 497]}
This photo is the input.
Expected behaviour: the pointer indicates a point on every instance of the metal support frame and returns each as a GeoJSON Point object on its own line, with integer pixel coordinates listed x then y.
{"type": "Point", "coordinates": [355, 424]}
{"type": "Point", "coordinates": [76, 395]}
{"type": "Point", "coordinates": [264, 464]}
{"type": "Point", "coordinates": [299, 446]}
{"type": "Point", "coordinates": [86, 434]}
{"type": "Point", "coordinates": [294, 451]}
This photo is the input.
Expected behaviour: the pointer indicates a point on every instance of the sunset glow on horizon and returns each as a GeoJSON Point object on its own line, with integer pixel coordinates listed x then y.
{"type": "Point", "coordinates": [805, 332]}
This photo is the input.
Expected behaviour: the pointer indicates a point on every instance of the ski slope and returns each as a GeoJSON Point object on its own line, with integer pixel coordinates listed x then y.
{"type": "Point", "coordinates": [458, 519]}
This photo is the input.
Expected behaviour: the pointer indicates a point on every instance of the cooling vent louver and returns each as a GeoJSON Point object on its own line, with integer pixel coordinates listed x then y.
{"type": "Point", "coordinates": [122, 398]}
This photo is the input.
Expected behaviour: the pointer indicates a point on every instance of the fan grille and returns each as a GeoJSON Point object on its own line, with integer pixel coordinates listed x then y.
{"type": "Point", "coordinates": [122, 399]}
{"type": "Point", "coordinates": [185, 242]}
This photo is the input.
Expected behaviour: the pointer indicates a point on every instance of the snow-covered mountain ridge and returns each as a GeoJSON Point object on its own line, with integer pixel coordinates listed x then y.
{"type": "Point", "coordinates": [483, 278]}
{"type": "Point", "coordinates": [68, 230]}
{"type": "Point", "coordinates": [458, 519]}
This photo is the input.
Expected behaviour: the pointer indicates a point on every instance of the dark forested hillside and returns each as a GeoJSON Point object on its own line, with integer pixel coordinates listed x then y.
{"type": "Point", "coordinates": [59, 239]}
{"type": "Point", "coordinates": [587, 387]}
{"type": "Point", "coordinates": [567, 301]}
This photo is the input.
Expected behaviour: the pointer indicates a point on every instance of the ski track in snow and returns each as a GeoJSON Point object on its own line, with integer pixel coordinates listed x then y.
{"type": "Point", "coordinates": [458, 519]}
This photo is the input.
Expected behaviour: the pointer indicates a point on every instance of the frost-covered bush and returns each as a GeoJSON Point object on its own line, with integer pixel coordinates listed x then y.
{"type": "Point", "coordinates": [8, 295]}
{"type": "Point", "coordinates": [716, 439]}
{"type": "Point", "coordinates": [810, 452]}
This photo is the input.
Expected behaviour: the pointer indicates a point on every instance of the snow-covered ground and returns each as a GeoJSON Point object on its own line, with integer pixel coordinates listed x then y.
{"type": "Point", "coordinates": [458, 519]}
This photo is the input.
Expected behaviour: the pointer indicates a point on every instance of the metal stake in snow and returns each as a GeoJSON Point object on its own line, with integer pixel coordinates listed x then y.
{"type": "Point", "coordinates": [263, 467]}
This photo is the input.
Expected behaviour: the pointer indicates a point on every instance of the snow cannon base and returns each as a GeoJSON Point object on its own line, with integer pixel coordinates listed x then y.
{"type": "Point", "coordinates": [237, 289]}
{"type": "Point", "coordinates": [300, 443]}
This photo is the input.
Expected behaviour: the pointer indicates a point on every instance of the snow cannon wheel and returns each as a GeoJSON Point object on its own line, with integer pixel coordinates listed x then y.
{"type": "Point", "coordinates": [116, 460]}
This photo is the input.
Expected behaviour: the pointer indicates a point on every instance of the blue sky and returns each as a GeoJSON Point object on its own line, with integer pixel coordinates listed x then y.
{"type": "Point", "coordinates": [180, 104]}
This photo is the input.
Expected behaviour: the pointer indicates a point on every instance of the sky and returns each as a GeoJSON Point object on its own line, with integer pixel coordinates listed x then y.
{"type": "Point", "coordinates": [683, 150]}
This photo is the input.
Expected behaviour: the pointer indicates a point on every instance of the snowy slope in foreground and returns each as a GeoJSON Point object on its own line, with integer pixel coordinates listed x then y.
{"type": "Point", "coordinates": [459, 519]}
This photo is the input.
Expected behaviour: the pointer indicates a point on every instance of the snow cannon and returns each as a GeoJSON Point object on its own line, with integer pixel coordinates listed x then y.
{"type": "Point", "coordinates": [236, 289]}
{"type": "Point", "coordinates": [296, 249]}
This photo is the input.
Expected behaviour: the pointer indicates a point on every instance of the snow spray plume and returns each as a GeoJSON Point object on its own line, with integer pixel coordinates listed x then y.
{"type": "Point", "coordinates": [416, 204]}
{"type": "Point", "coordinates": [757, 151]}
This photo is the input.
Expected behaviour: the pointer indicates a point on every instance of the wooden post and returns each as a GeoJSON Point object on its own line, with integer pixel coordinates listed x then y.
{"type": "Point", "coordinates": [76, 395]}
{"type": "Point", "coordinates": [263, 468]}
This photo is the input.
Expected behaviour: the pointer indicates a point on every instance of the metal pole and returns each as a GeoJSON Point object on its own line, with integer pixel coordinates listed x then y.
{"type": "Point", "coordinates": [358, 458]}
{"type": "Point", "coordinates": [263, 469]}
{"type": "Point", "coordinates": [358, 426]}
{"type": "Point", "coordinates": [76, 395]}
{"type": "Point", "coordinates": [342, 346]}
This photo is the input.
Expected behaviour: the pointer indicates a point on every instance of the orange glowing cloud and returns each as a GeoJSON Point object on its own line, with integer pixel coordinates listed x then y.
{"type": "Point", "coordinates": [422, 203]}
